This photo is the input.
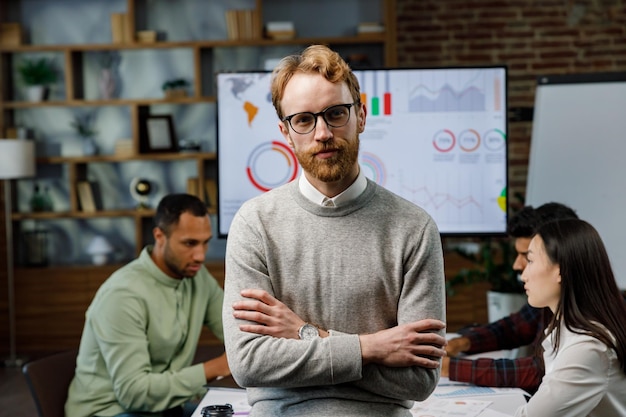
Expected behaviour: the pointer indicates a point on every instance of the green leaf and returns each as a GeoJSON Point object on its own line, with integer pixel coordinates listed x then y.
{"type": "Point", "coordinates": [37, 71]}
{"type": "Point", "coordinates": [493, 265]}
{"type": "Point", "coordinates": [83, 124]}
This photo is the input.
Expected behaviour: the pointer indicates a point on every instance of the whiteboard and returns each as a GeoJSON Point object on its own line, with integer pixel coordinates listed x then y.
{"type": "Point", "coordinates": [578, 154]}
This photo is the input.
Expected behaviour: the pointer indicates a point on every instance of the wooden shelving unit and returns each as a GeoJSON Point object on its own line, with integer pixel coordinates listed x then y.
{"type": "Point", "coordinates": [82, 280]}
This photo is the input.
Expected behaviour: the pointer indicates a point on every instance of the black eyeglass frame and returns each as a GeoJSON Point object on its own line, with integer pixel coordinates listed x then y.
{"type": "Point", "coordinates": [323, 114]}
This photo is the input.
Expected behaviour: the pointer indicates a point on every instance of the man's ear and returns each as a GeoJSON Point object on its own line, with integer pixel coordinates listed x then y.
{"type": "Point", "coordinates": [361, 115]}
{"type": "Point", "coordinates": [284, 130]}
{"type": "Point", "coordinates": [158, 235]}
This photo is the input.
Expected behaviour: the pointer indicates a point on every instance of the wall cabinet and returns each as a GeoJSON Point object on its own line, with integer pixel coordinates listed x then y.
{"type": "Point", "coordinates": [192, 44]}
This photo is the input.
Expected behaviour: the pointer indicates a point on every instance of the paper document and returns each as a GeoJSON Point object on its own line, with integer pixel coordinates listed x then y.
{"type": "Point", "coordinates": [459, 407]}
{"type": "Point", "coordinates": [502, 401]}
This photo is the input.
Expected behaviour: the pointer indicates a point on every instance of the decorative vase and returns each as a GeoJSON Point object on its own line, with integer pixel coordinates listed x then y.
{"type": "Point", "coordinates": [36, 93]}
{"type": "Point", "coordinates": [107, 84]}
{"type": "Point", "coordinates": [89, 146]}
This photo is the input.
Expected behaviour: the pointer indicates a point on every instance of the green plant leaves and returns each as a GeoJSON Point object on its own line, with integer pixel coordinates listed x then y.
{"type": "Point", "coordinates": [37, 71]}
{"type": "Point", "coordinates": [493, 264]}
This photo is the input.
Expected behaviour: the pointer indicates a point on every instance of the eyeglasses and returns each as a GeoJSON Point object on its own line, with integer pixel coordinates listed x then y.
{"type": "Point", "coordinates": [334, 116]}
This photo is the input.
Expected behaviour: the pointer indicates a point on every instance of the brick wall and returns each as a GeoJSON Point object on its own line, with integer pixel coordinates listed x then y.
{"type": "Point", "coordinates": [531, 37]}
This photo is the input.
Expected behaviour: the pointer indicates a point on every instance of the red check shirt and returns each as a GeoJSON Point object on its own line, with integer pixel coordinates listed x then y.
{"type": "Point", "coordinates": [518, 329]}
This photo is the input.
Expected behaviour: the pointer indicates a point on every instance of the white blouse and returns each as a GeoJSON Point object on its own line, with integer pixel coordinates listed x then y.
{"type": "Point", "coordinates": [583, 379]}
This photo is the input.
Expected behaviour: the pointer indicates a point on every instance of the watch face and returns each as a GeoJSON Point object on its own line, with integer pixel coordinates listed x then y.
{"type": "Point", "coordinates": [308, 332]}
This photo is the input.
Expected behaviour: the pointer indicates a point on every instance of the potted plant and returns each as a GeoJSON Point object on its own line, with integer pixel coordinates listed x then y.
{"type": "Point", "coordinates": [83, 124]}
{"type": "Point", "coordinates": [37, 75]}
{"type": "Point", "coordinates": [493, 261]}
{"type": "Point", "coordinates": [175, 88]}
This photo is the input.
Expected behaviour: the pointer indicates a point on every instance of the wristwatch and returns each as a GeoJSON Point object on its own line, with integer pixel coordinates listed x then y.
{"type": "Point", "coordinates": [308, 332]}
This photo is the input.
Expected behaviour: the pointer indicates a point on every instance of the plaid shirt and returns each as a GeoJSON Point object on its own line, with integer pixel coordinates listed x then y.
{"type": "Point", "coordinates": [518, 329]}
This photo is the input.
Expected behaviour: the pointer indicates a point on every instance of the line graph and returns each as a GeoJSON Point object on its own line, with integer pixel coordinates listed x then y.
{"type": "Point", "coordinates": [460, 199]}
{"type": "Point", "coordinates": [423, 197]}
{"type": "Point", "coordinates": [448, 92]}
{"type": "Point", "coordinates": [446, 99]}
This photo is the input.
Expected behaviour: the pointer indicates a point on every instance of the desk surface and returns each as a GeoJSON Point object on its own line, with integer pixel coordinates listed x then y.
{"type": "Point", "coordinates": [449, 398]}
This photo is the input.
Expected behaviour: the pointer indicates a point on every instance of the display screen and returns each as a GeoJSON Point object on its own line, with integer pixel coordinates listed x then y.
{"type": "Point", "coordinates": [437, 137]}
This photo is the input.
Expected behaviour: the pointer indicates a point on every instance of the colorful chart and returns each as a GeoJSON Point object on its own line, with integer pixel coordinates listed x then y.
{"type": "Point", "coordinates": [373, 167]}
{"type": "Point", "coordinates": [258, 171]}
{"type": "Point", "coordinates": [436, 137]}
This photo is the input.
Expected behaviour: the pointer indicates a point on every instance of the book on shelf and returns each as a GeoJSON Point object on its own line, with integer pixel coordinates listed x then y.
{"type": "Point", "coordinates": [124, 148]}
{"type": "Point", "coordinates": [280, 30]}
{"type": "Point", "coordinates": [11, 34]}
{"type": "Point", "coordinates": [210, 189]}
{"type": "Point", "coordinates": [243, 24]}
{"type": "Point", "coordinates": [86, 200]}
{"type": "Point", "coordinates": [231, 24]}
{"type": "Point", "coordinates": [369, 28]}
{"type": "Point", "coordinates": [118, 27]}
{"type": "Point", "coordinates": [192, 186]}
{"type": "Point", "coordinates": [146, 36]}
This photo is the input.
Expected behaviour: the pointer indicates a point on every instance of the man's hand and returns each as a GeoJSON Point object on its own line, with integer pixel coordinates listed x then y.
{"type": "Point", "coordinates": [273, 317]}
{"type": "Point", "coordinates": [411, 344]}
{"type": "Point", "coordinates": [216, 368]}
{"type": "Point", "coordinates": [405, 345]}
{"type": "Point", "coordinates": [457, 345]}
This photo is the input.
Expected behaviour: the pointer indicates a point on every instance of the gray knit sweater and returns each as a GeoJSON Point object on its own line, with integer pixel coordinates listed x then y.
{"type": "Point", "coordinates": [366, 266]}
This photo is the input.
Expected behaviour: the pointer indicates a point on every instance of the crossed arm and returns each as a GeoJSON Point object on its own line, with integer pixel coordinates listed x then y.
{"type": "Point", "coordinates": [410, 344]}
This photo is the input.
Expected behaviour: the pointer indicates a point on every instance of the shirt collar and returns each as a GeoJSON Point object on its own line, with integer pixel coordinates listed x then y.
{"type": "Point", "coordinates": [350, 193]}
{"type": "Point", "coordinates": [155, 271]}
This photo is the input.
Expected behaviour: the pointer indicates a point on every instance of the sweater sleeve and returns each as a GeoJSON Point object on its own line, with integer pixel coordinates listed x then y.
{"type": "Point", "coordinates": [422, 297]}
{"type": "Point", "coordinates": [254, 359]}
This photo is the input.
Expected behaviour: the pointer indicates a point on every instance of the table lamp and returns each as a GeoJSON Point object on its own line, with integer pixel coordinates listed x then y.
{"type": "Point", "coordinates": [99, 248]}
{"type": "Point", "coordinates": [17, 160]}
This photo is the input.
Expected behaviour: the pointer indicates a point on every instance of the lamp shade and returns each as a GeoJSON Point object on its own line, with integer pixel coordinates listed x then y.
{"type": "Point", "coordinates": [99, 248]}
{"type": "Point", "coordinates": [17, 158]}
{"type": "Point", "coordinates": [99, 245]}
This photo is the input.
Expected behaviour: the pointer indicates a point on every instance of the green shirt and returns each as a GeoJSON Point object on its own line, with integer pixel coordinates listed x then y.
{"type": "Point", "coordinates": [140, 337]}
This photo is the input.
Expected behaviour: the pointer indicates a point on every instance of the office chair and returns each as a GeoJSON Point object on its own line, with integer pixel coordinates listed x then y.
{"type": "Point", "coordinates": [49, 379]}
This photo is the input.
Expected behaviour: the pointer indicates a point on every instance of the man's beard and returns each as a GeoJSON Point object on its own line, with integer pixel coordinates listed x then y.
{"type": "Point", "coordinates": [334, 168]}
{"type": "Point", "coordinates": [172, 263]}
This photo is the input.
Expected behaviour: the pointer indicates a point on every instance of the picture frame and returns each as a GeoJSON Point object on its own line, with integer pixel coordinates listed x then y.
{"type": "Point", "coordinates": [160, 133]}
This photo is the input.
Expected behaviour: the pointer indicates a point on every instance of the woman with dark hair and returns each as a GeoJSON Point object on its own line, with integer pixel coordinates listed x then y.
{"type": "Point", "coordinates": [585, 346]}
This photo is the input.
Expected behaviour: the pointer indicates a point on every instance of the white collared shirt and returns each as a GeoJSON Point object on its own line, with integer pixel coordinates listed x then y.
{"type": "Point", "coordinates": [350, 193]}
{"type": "Point", "coordinates": [583, 378]}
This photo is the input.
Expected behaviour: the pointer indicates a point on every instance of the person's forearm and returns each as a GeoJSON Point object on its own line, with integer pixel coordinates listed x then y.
{"type": "Point", "coordinates": [216, 368]}
{"type": "Point", "coordinates": [522, 373]}
{"type": "Point", "coordinates": [411, 344]}
{"type": "Point", "coordinates": [458, 345]}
